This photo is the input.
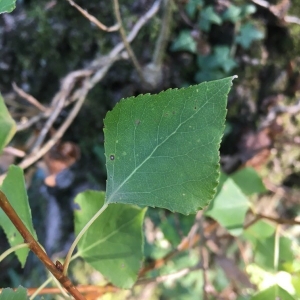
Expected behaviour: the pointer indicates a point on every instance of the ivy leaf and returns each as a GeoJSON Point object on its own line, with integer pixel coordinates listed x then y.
{"type": "Point", "coordinates": [219, 59]}
{"type": "Point", "coordinates": [7, 124]}
{"type": "Point", "coordinates": [9, 294]}
{"type": "Point", "coordinates": [229, 207]}
{"type": "Point", "coordinates": [184, 42]}
{"type": "Point", "coordinates": [248, 34]}
{"type": "Point", "coordinates": [232, 13]}
{"type": "Point", "coordinates": [208, 16]}
{"type": "Point", "coordinates": [248, 9]}
{"type": "Point", "coordinates": [7, 6]}
{"type": "Point", "coordinates": [163, 150]}
{"type": "Point", "coordinates": [192, 6]}
{"type": "Point", "coordinates": [114, 242]}
{"type": "Point", "coordinates": [14, 189]}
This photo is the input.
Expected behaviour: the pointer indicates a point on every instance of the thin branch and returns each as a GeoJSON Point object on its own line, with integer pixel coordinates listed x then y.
{"type": "Point", "coordinates": [273, 10]}
{"type": "Point", "coordinates": [58, 104]}
{"type": "Point", "coordinates": [36, 248]}
{"type": "Point", "coordinates": [171, 276]}
{"type": "Point", "coordinates": [29, 98]}
{"type": "Point", "coordinates": [292, 19]}
{"type": "Point", "coordinates": [14, 151]}
{"type": "Point", "coordinates": [262, 3]}
{"type": "Point", "coordinates": [93, 19]}
{"type": "Point", "coordinates": [25, 125]}
{"type": "Point", "coordinates": [277, 110]}
{"type": "Point", "coordinates": [279, 220]}
{"type": "Point", "coordinates": [125, 41]}
{"type": "Point", "coordinates": [161, 43]}
{"type": "Point", "coordinates": [83, 289]}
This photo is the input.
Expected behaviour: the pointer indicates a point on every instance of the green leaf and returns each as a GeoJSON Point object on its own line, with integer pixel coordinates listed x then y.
{"type": "Point", "coordinates": [7, 6]}
{"type": "Point", "coordinates": [262, 237]}
{"type": "Point", "coordinates": [248, 34]}
{"type": "Point", "coordinates": [192, 6]}
{"type": "Point", "coordinates": [232, 13]}
{"type": "Point", "coordinates": [7, 124]}
{"type": "Point", "coordinates": [10, 294]}
{"type": "Point", "coordinates": [208, 17]}
{"type": "Point", "coordinates": [14, 188]}
{"type": "Point", "coordinates": [248, 181]}
{"type": "Point", "coordinates": [114, 242]}
{"type": "Point", "coordinates": [248, 9]}
{"type": "Point", "coordinates": [259, 231]}
{"type": "Point", "coordinates": [184, 42]}
{"type": "Point", "coordinates": [220, 58]}
{"type": "Point", "coordinates": [273, 292]}
{"type": "Point", "coordinates": [163, 150]}
{"type": "Point", "coordinates": [229, 207]}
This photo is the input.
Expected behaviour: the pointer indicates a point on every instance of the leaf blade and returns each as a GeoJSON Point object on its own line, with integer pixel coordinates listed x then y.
{"type": "Point", "coordinates": [113, 244]}
{"type": "Point", "coordinates": [157, 151]}
{"type": "Point", "coordinates": [9, 294]}
{"type": "Point", "coordinates": [7, 125]}
{"type": "Point", "coordinates": [14, 189]}
{"type": "Point", "coordinates": [7, 6]}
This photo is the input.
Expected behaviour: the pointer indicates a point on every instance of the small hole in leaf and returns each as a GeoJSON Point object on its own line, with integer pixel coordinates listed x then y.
{"type": "Point", "coordinates": [112, 157]}
{"type": "Point", "coordinates": [76, 206]}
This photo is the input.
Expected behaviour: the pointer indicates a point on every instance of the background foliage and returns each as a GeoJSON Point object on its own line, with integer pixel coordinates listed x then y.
{"type": "Point", "coordinates": [41, 41]}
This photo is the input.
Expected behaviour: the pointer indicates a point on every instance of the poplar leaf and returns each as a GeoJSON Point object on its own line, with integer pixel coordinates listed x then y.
{"type": "Point", "coordinates": [163, 150]}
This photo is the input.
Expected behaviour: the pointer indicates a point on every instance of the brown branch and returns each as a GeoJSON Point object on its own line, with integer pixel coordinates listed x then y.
{"type": "Point", "coordinates": [125, 41]}
{"type": "Point", "coordinates": [14, 151]}
{"type": "Point", "coordinates": [172, 276]}
{"type": "Point", "coordinates": [83, 289]}
{"type": "Point", "coordinates": [93, 19]}
{"type": "Point", "coordinates": [58, 103]}
{"type": "Point", "coordinates": [36, 248]}
{"type": "Point", "coordinates": [29, 98]}
{"type": "Point", "coordinates": [279, 220]}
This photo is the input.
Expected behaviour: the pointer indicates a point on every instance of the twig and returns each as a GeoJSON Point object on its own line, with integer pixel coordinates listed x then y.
{"type": "Point", "coordinates": [93, 19]}
{"type": "Point", "coordinates": [25, 125]}
{"type": "Point", "coordinates": [292, 19]}
{"type": "Point", "coordinates": [278, 12]}
{"type": "Point", "coordinates": [83, 289]}
{"type": "Point", "coordinates": [14, 151]}
{"type": "Point", "coordinates": [172, 276]}
{"type": "Point", "coordinates": [161, 43]}
{"type": "Point", "coordinates": [36, 248]}
{"type": "Point", "coordinates": [262, 3]}
{"type": "Point", "coordinates": [29, 98]}
{"type": "Point", "coordinates": [126, 43]}
{"type": "Point", "coordinates": [279, 220]}
{"type": "Point", "coordinates": [58, 134]}
{"type": "Point", "coordinates": [58, 104]}
{"type": "Point", "coordinates": [277, 110]}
